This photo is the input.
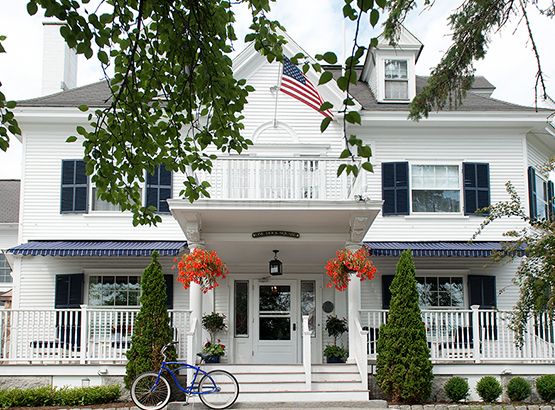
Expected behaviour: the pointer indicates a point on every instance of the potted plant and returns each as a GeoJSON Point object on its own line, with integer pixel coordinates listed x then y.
{"type": "Point", "coordinates": [335, 328]}
{"type": "Point", "coordinates": [213, 323]}
{"type": "Point", "coordinates": [215, 349]}
{"type": "Point", "coordinates": [346, 263]}
{"type": "Point", "coordinates": [202, 267]}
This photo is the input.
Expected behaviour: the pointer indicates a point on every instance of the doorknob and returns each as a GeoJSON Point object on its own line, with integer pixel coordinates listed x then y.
{"type": "Point", "coordinates": [294, 327]}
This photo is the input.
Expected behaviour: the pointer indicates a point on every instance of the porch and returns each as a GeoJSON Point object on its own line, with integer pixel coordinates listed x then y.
{"type": "Point", "coordinates": [102, 336]}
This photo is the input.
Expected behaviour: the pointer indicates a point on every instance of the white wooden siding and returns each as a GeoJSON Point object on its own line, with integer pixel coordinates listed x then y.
{"type": "Point", "coordinates": [501, 149]}
{"type": "Point", "coordinates": [38, 276]}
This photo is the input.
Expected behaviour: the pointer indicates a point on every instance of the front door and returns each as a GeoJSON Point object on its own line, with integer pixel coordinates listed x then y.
{"type": "Point", "coordinates": [276, 322]}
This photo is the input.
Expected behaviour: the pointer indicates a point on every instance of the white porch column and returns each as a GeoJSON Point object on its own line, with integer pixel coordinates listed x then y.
{"type": "Point", "coordinates": [354, 305]}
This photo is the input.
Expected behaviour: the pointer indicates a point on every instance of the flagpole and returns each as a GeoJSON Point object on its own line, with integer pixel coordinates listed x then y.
{"type": "Point", "coordinates": [277, 93]}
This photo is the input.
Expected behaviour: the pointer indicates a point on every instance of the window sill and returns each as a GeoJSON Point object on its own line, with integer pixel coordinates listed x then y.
{"type": "Point", "coordinates": [437, 216]}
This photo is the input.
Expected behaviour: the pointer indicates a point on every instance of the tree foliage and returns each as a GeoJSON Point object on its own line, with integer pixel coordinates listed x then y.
{"type": "Point", "coordinates": [152, 328]}
{"type": "Point", "coordinates": [403, 366]}
{"type": "Point", "coordinates": [174, 99]}
{"type": "Point", "coordinates": [535, 275]}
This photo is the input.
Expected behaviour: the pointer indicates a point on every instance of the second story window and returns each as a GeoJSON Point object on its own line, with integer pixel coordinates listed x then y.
{"type": "Point", "coordinates": [541, 193]}
{"type": "Point", "coordinates": [100, 205]}
{"type": "Point", "coordinates": [436, 188]}
{"type": "Point", "coordinates": [159, 189]}
{"type": "Point", "coordinates": [75, 187]}
{"type": "Point", "coordinates": [5, 270]}
{"type": "Point", "coordinates": [396, 80]}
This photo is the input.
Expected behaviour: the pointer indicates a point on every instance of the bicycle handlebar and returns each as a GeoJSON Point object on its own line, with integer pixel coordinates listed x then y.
{"type": "Point", "coordinates": [163, 350]}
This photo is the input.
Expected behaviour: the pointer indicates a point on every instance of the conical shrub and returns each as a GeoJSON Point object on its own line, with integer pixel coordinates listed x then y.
{"type": "Point", "coordinates": [403, 366]}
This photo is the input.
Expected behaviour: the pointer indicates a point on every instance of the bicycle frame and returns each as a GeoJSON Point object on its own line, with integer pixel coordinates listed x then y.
{"type": "Point", "coordinates": [182, 365]}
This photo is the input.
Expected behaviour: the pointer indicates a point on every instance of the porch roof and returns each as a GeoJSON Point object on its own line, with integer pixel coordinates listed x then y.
{"type": "Point", "coordinates": [98, 248]}
{"type": "Point", "coordinates": [458, 249]}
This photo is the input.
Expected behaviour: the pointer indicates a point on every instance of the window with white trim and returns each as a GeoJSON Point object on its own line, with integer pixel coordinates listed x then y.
{"type": "Point", "coordinates": [541, 192]}
{"type": "Point", "coordinates": [101, 205]}
{"type": "Point", "coordinates": [440, 291]}
{"type": "Point", "coordinates": [5, 270]}
{"type": "Point", "coordinates": [396, 80]}
{"type": "Point", "coordinates": [435, 188]}
{"type": "Point", "coordinates": [111, 290]}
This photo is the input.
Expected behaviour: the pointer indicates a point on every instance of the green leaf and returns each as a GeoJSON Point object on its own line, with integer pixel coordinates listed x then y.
{"type": "Point", "coordinates": [71, 139]}
{"type": "Point", "coordinates": [342, 83]}
{"type": "Point", "coordinates": [330, 57]}
{"type": "Point", "coordinates": [381, 3]}
{"type": "Point", "coordinates": [353, 117]}
{"type": "Point", "coordinates": [102, 57]}
{"type": "Point", "coordinates": [345, 154]}
{"type": "Point", "coordinates": [367, 166]}
{"type": "Point", "coordinates": [324, 125]}
{"type": "Point", "coordinates": [326, 106]}
{"type": "Point", "coordinates": [325, 77]}
{"type": "Point", "coordinates": [32, 8]}
{"type": "Point", "coordinates": [365, 151]}
{"type": "Point", "coordinates": [340, 169]}
{"type": "Point", "coordinates": [374, 17]}
{"type": "Point", "coordinates": [83, 108]}
{"type": "Point", "coordinates": [11, 104]}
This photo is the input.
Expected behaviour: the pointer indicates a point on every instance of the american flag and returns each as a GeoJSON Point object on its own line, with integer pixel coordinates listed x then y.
{"type": "Point", "coordinates": [295, 84]}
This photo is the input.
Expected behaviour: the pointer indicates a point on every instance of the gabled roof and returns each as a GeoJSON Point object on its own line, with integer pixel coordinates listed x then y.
{"type": "Point", "coordinates": [96, 95]}
{"type": "Point", "coordinates": [9, 200]}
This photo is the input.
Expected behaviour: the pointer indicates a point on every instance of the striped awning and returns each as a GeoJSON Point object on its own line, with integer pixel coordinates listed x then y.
{"type": "Point", "coordinates": [98, 248]}
{"type": "Point", "coordinates": [458, 249]}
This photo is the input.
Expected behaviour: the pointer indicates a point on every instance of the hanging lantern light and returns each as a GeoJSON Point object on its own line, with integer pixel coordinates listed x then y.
{"type": "Point", "coordinates": [276, 267]}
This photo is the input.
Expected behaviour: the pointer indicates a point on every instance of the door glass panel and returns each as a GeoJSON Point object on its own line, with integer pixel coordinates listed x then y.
{"type": "Point", "coordinates": [275, 328]}
{"type": "Point", "coordinates": [275, 312]}
{"type": "Point", "coordinates": [308, 303]}
{"type": "Point", "coordinates": [275, 298]}
{"type": "Point", "coordinates": [241, 308]}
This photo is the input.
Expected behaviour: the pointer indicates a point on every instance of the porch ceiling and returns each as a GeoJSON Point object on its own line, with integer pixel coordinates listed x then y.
{"type": "Point", "coordinates": [227, 226]}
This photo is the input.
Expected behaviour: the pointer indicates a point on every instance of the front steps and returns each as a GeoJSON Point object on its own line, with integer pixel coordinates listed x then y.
{"type": "Point", "coordinates": [287, 382]}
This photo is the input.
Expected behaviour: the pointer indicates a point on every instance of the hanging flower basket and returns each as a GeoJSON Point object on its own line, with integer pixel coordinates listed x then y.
{"type": "Point", "coordinates": [202, 267]}
{"type": "Point", "coordinates": [348, 263]}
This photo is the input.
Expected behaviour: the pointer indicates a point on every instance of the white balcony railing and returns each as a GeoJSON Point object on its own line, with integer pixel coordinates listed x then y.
{"type": "Point", "coordinates": [83, 335]}
{"type": "Point", "coordinates": [476, 336]}
{"type": "Point", "coordinates": [280, 178]}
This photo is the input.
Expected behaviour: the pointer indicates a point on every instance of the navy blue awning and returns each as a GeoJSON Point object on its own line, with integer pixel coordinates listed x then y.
{"type": "Point", "coordinates": [459, 249]}
{"type": "Point", "coordinates": [98, 248]}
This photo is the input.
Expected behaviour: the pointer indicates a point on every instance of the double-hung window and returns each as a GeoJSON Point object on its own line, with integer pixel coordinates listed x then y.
{"type": "Point", "coordinates": [75, 187]}
{"type": "Point", "coordinates": [396, 80]}
{"type": "Point", "coordinates": [159, 189]}
{"type": "Point", "coordinates": [440, 291]}
{"type": "Point", "coordinates": [541, 196]}
{"type": "Point", "coordinates": [5, 270]}
{"type": "Point", "coordinates": [434, 188]}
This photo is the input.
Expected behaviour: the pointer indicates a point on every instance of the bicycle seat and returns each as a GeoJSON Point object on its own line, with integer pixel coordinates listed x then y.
{"type": "Point", "coordinates": [204, 356]}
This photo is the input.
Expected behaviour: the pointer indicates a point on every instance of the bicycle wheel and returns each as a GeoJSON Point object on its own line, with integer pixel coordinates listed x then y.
{"type": "Point", "coordinates": [219, 389]}
{"type": "Point", "coordinates": [149, 395]}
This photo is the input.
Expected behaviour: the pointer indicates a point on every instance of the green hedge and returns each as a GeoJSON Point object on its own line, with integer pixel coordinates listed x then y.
{"type": "Point", "coordinates": [66, 396]}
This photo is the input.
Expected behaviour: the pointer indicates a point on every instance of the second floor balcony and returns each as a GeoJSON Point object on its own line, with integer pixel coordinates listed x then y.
{"type": "Point", "coordinates": [280, 178]}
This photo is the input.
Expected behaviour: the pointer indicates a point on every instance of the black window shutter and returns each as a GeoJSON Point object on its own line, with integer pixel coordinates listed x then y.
{"type": "Point", "coordinates": [551, 199]}
{"type": "Point", "coordinates": [159, 188]}
{"type": "Point", "coordinates": [476, 187]}
{"type": "Point", "coordinates": [75, 187]}
{"type": "Point", "coordinates": [69, 291]}
{"type": "Point", "coordinates": [386, 293]}
{"type": "Point", "coordinates": [532, 192]}
{"type": "Point", "coordinates": [482, 291]}
{"type": "Point", "coordinates": [395, 188]}
{"type": "Point", "coordinates": [169, 291]}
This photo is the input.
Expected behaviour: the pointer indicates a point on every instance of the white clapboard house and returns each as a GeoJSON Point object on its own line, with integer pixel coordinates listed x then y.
{"type": "Point", "coordinates": [79, 261]}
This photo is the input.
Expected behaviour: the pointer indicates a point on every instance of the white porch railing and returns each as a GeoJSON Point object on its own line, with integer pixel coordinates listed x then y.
{"type": "Point", "coordinates": [307, 352]}
{"type": "Point", "coordinates": [475, 336]}
{"type": "Point", "coordinates": [86, 335]}
{"type": "Point", "coordinates": [280, 178]}
{"type": "Point", "coordinates": [361, 353]}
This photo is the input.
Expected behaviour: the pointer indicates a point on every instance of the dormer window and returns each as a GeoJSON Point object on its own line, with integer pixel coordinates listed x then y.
{"type": "Point", "coordinates": [396, 80]}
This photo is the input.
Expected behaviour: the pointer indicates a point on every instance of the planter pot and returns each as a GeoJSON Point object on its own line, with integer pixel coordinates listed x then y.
{"type": "Point", "coordinates": [335, 359]}
{"type": "Point", "coordinates": [213, 359]}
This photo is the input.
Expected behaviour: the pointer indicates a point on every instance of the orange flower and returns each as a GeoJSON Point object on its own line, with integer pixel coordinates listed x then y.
{"type": "Point", "coordinates": [347, 262]}
{"type": "Point", "coordinates": [202, 267]}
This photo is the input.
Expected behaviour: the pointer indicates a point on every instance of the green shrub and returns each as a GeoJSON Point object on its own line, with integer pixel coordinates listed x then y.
{"type": "Point", "coordinates": [403, 366]}
{"type": "Point", "coordinates": [489, 388]}
{"type": "Point", "coordinates": [518, 389]}
{"type": "Point", "coordinates": [152, 329]}
{"type": "Point", "coordinates": [66, 396]}
{"type": "Point", "coordinates": [457, 388]}
{"type": "Point", "coordinates": [545, 386]}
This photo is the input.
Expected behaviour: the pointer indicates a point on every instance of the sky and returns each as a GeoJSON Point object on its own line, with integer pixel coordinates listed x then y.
{"type": "Point", "coordinates": [317, 26]}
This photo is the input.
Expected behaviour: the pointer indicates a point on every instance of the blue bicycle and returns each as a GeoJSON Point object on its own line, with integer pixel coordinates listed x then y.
{"type": "Point", "coordinates": [217, 389]}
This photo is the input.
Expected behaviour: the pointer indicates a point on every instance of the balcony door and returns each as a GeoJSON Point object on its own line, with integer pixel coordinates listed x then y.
{"type": "Point", "coordinates": [277, 324]}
